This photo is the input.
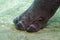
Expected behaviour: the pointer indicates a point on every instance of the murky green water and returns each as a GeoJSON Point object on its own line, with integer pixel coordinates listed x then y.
{"type": "Point", "coordinates": [9, 9]}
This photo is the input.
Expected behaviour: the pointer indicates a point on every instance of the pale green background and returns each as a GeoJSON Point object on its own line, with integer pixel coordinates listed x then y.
{"type": "Point", "coordinates": [9, 9]}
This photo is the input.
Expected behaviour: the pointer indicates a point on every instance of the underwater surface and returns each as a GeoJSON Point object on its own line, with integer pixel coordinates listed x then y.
{"type": "Point", "coordinates": [9, 9]}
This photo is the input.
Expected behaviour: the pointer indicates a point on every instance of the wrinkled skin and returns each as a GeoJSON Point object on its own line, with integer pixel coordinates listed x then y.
{"type": "Point", "coordinates": [37, 15]}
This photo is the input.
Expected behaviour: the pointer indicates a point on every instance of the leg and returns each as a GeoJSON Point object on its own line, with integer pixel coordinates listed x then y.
{"type": "Point", "coordinates": [39, 8]}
